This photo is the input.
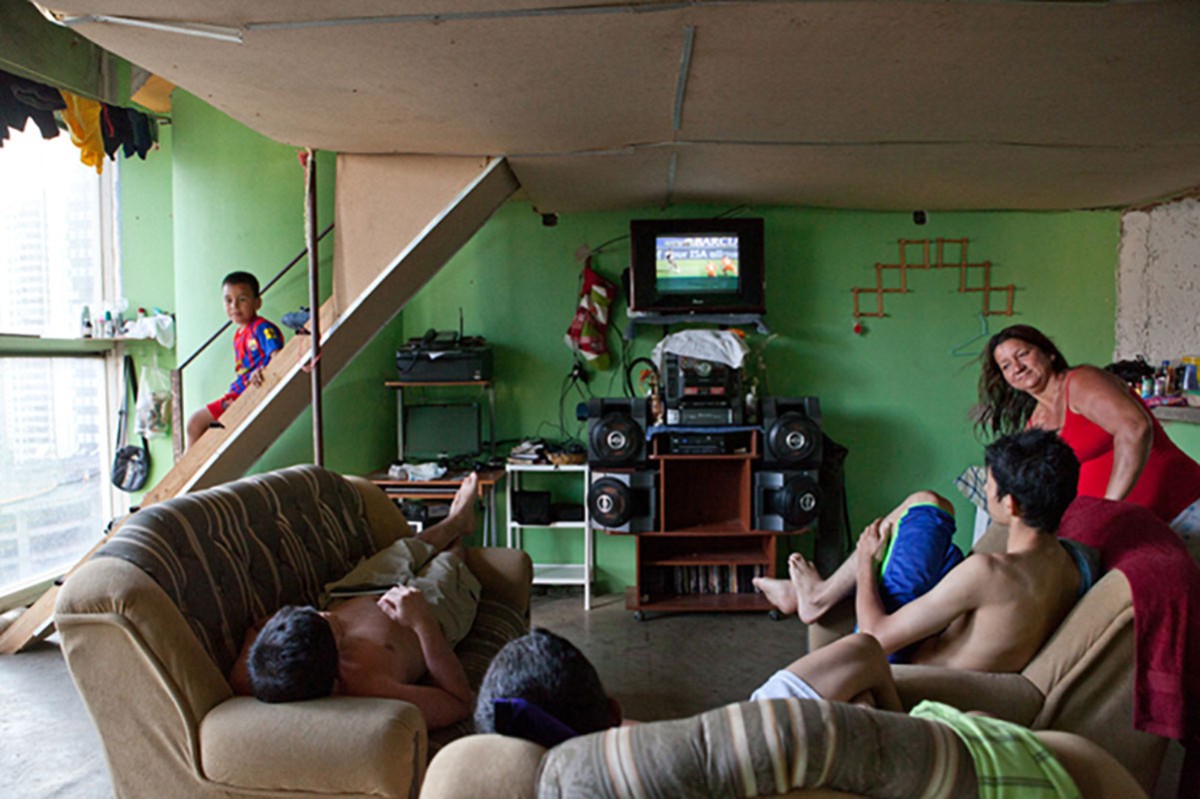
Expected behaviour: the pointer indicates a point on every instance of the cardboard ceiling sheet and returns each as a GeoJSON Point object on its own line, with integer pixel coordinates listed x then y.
{"type": "Point", "coordinates": [850, 104]}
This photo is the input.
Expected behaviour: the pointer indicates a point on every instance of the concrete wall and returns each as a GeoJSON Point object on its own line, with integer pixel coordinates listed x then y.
{"type": "Point", "coordinates": [1158, 283]}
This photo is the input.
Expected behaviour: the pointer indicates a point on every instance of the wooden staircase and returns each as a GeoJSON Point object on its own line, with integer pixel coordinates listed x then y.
{"type": "Point", "coordinates": [399, 219]}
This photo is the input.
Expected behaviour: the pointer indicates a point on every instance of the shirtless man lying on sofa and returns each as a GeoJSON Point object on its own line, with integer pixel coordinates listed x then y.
{"type": "Point", "coordinates": [396, 645]}
{"type": "Point", "coordinates": [988, 612]}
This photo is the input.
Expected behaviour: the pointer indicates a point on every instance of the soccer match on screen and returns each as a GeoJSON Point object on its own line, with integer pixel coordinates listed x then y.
{"type": "Point", "coordinates": [696, 263]}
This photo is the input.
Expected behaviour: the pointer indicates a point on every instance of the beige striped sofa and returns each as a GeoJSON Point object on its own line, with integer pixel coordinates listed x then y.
{"type": "Point", "coordinates": [152, 624]}
{"type": "Point", "coordinates": [780, 748]}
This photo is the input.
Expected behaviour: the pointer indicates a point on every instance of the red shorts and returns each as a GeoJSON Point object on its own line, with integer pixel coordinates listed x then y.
{"type": "Point", "coordinates": [217, 407]}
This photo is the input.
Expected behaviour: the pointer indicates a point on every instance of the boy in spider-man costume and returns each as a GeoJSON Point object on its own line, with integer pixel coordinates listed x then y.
{"type": "Point", "coordinates": [255, 341]}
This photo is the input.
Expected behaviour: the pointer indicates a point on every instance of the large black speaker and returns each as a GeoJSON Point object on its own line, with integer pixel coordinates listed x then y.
{"type": "Point", "coordinates": [623, 502]}
{"type": "Point", "coordinates": [792, 432]}
{"type": "Point", "coordinates": [786, 500]}
{"type": "Point", "coordinates": [616, 432]}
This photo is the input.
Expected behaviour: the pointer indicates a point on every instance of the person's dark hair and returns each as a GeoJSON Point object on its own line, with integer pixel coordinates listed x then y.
{"type": "Point", "coordinates": [1039, 471]}
{"type": "Point", "coordinates": [547, 670]}
{"type": "Point", "coordinates": [1002, 408]}
{"type": "Point", "coordinates": [294, 657]}
{"type": "Point", "coordinates": [242, 279]}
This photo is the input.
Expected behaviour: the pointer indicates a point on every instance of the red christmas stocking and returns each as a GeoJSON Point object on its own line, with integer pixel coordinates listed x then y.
{"type": "Point", "coordinates": [588, 333]}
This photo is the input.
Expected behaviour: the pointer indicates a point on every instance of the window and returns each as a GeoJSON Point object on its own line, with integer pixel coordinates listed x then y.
{"type": "Point", "coordinates": [55, 258]}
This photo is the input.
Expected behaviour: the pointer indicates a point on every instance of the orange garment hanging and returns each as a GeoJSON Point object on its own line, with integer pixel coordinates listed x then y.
{"type": "Point", "coordinates": [83, 120]}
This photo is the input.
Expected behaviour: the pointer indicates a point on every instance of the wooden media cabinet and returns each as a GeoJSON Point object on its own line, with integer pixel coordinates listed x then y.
{"type": "Point", "coordinates": [705, 550]}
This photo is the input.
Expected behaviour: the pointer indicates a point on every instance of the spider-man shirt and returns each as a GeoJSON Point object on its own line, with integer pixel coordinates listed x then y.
{"type": "Point", "coordinates": [253, 346]}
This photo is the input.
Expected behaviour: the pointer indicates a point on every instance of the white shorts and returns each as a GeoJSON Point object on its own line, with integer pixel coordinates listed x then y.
{"type": "Point", "coordinates": [783, 684]}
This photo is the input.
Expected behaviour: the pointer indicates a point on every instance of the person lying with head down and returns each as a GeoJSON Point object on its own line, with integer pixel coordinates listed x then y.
{"type": "Point", "coordinates": [925, 603]}
{"type": "Point", "coordinates": [398, 645]}
{"type": "Point", "coordinates": [543, 689]}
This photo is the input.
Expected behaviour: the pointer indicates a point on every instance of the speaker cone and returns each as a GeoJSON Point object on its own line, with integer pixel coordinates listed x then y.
{"type": "Point", "coordinates": [610, 502]}
{"type": "Point", "coordinates": [798, 502]}
{"type": "Point", "coordinates": [793, 437]}
{"type": "Point", "coordinates": [616, 438]}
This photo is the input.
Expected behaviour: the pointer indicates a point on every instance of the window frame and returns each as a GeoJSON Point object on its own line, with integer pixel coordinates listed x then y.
{"type": "Point", "coordinates": [25, 591]}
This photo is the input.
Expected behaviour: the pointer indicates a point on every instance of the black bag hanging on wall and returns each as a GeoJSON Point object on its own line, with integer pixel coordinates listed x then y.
{"type": "Point", "coordinates": [131, 465]}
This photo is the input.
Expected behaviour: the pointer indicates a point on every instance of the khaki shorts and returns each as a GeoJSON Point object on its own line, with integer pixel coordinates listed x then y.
{"type": "Point", "coordinates": [447, 584]}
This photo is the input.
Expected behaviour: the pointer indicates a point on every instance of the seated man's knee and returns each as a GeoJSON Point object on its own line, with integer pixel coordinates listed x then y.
{"type": "Point", "coordinates": [865, 647]}
{"type": "Point", "coordinates": [926, 497]}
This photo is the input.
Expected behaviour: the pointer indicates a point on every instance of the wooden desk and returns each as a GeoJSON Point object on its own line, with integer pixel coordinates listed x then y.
{"type": "Point", "coordinates": [444, 488]}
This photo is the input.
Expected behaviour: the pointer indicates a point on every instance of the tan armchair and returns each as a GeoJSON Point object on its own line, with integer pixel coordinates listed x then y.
{"type": "Point", "coordinates": [1081, 681]}
{"type": "Point", "coordinates": [149, 643]}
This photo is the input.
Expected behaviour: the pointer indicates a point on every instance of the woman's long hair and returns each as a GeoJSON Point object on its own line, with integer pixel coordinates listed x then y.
{"type": "Point", "coordinates": [1003, 409]}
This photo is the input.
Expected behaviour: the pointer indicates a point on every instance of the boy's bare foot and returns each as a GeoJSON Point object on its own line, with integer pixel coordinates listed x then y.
{"type": "Point", "coordinates": [780, 593]}
{"type": "Point", "coordinates": [808, 584]}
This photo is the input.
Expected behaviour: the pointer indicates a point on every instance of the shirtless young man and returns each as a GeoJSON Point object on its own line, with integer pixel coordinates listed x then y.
{"type": "Point", "coordinates": [990, 612]}
{"type": "Point", "coordinates": [369, 646]}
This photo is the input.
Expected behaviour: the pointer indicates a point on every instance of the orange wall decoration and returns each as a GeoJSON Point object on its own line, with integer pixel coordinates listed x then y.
{"type": "Point", "coordinates": [972, 277]}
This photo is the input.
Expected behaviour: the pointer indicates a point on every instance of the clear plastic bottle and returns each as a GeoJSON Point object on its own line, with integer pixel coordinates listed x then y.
{"type": "Point", "coordinates": [85, 323]}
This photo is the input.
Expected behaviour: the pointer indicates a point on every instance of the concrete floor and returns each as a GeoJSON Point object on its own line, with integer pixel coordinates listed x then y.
{"type": "Point", "coordinates": [664, 667]}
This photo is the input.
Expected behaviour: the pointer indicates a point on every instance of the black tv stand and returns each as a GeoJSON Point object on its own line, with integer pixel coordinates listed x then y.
{"type": "Point", "coordinates": [647, 318]}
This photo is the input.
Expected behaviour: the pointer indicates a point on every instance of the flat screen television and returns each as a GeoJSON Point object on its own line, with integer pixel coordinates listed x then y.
{"type": "Point", "coordinates": [696, 266]}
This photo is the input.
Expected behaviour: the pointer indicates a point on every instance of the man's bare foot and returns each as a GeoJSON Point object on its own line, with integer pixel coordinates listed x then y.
{"type": "Point", "coordinates": [780, 593]}
{"type": "Point", "coordinates": [462, 509]}
{"type": "Point", "coordinates": [459, 522]}
{"type": "Point", "coordinates": [808, 584]}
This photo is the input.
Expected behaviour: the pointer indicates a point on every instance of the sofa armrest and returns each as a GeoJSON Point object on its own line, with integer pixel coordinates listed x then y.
{"type": "Point", "coordinates": [511, 762]}
{"type": "Point", "coordinates": [337, 745]}
{"type": "Point", "coordinates": [1007, 696]}
{"type": "Point", "coordinates": [505, 574]}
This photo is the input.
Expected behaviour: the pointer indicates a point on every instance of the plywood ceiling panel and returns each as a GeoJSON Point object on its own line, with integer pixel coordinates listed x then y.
{"type": "Point", "coordinates": [849, 104]}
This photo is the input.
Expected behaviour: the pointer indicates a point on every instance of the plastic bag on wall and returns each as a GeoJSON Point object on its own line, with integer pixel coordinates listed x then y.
{"type": "Point", "coordinates": [152, 417]}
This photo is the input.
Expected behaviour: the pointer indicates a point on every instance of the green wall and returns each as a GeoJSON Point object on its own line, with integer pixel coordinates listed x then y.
{"type": "Point", "coordinates": [894, 395]}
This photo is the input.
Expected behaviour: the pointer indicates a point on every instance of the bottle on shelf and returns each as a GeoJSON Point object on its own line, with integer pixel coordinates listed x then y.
{"type": "Point", "coordinates": [1161, 379]}
{"type": "Point", "coordinates": [85, 323]}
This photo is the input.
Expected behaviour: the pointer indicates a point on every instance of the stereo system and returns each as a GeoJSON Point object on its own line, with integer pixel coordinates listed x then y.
{"type": "Point", "coordinates": [701, 393]}
{"type": "Point", "coordinates": [623, 502]}
{"type": "Point", "coordinates": [623, 493]}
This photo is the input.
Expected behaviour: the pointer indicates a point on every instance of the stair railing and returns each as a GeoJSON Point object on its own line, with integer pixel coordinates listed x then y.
{"type": "Point", "coordinates": [177, 429]}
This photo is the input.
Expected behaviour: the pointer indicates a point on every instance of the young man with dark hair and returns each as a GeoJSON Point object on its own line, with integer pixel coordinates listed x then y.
{"type": "Point", "coordinates": [254, 342]}
{"type": "Point", "coordinates": [541, 688]}
{"type": "Point", "coordinates": [295, 656]}
{"type": "Point", "coordinates": [989, 612]}
{"type": "Point", "coordinates": [398, 645]}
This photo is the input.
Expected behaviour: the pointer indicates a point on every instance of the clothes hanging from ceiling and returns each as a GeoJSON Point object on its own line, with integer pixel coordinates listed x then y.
{"type": "Point", "coordinates": [22, 100]}
{"type": "Point", "coordinates": [98, 129]}
{"type": "Point", "coordinates": [83, 120]}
